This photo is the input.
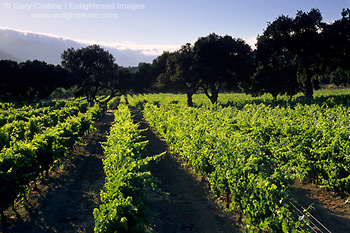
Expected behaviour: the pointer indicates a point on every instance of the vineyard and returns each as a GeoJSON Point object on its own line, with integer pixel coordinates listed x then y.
{"type": "Point", "coordinates": [34, 138]}
{"type": "Point", "coordinates": [250, 150]}
{"type": "Point", "coordinates": [254, 149]}
{"type": "Point", "coordinates": [212, 136]}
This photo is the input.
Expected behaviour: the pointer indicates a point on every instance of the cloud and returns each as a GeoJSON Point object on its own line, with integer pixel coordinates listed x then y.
{"type": "Point", "coordinates": [26, 45]}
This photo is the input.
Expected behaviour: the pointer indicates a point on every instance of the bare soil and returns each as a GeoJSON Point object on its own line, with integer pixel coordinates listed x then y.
{"type": "Point", "coordinates": [331, 209]}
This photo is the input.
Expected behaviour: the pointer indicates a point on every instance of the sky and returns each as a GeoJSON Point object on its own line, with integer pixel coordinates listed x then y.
{"type": "Point", "coordinates": [159, 24]}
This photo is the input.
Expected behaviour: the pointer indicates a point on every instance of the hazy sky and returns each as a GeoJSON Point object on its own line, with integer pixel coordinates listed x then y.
{"type": "Point", "coordinates": [154, 22]}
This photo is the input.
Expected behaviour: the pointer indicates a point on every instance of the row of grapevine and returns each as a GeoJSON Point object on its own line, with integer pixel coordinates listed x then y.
{"type": "Point", "coordinates": [331, 98]}
{"type": "Point", "coordinates": [25, 130]}
{"type": "Point", "coordinates": [12, 113]}
{"type": "Point", "coordinates": [122, 208]}
{"type": "Point", "coordinates": [233, 162]}
{"type": "Point", "coordinates": [23, 161]}
{"type": "Point", "coordinates": [23, 123]}
{"type": "Point", "coordinates": [17, 114]}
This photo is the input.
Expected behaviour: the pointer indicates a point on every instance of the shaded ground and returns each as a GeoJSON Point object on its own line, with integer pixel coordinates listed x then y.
{"type": "Point", "coordinates": [331, 209]}
{"type": "Point", "coordinates": [186, 205]}
{"type": "Point", "coordinates": [65, 202]}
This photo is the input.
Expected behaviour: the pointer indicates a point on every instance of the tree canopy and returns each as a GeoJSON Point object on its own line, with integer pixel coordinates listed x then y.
{"type": "Point", "coordinates": [179, 74]}
{"type": "Point", "coordinates": [94, 69]}
{"type": "Point", "coordinates": [336, 43]}
{"type": "Point", "coordinates": [289, 55]}
{"type": "Point", "coordinates": [210, 64]}
{"type": "Point", "coordinates": [221, 60]}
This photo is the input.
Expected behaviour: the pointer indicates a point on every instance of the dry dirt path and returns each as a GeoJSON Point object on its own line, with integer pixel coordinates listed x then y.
{"type": "Point", "coordinates": [186, 205]}
{"type": "Point", "coordinates": [65, 202]}
{"type": "Point", "coordinates": [331, 209]}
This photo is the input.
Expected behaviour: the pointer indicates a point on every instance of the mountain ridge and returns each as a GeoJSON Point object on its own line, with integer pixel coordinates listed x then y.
{"type": "Point", "coordinates": [6, 56]}
{"type": "Point", "coordinates": [22, 46]}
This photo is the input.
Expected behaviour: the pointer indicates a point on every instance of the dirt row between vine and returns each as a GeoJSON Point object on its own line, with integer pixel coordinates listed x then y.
{"type": "Point", "coordinates": [186, 205]}
{"type": "Point", "coordinates": [328, 209]}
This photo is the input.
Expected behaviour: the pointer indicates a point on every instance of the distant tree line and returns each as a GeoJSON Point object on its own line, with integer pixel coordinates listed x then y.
{"type": "Point", "coordinates": [292, 55]}
{"type": "Point", "coordinates": [88, 72]}
{"type": "Point", "coordinates": [30, 81]}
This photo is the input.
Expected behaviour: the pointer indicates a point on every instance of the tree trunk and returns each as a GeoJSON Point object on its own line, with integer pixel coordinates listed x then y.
{"type": "Point", "coordinates": [309, 89]}
{"type": "Point", "coordinates": [214, 92]}
{"type": "Point", "coordinates": [214, 97]}
{"type": "Point", "coordinates": [189, 99]}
